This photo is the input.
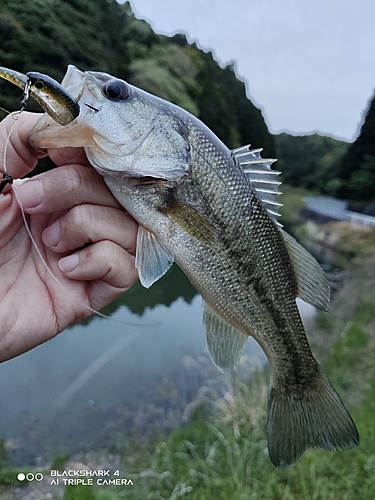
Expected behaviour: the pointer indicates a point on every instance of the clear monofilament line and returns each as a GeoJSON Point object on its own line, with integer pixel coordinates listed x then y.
{"type": "Point", "coordinates": [14, 189]}
{"type": "Point", "coordinates": [32, 238]}
{"type": "Point", "coordinates": [19, 201]}
{"type": "Point", "coordinates": [7, 143]}
{"type": "Point", "coordinates": [53, 275]}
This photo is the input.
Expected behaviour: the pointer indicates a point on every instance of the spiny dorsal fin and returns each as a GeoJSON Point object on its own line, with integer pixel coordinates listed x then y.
{"type": "Point", "coordinates": [262, 178]}
{"type": "Point", "coordinates": [313, 286]}
{"type": "Point", "coordinates": [224, 342]}
{"type": "Point", "coordinates": [152, 259]}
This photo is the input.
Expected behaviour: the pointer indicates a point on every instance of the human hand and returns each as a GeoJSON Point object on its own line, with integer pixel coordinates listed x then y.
{"type": "Point", "coordinates": [85, 237]}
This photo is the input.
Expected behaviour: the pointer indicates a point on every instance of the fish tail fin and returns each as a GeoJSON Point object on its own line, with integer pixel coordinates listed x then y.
{"type": "Point", "coordinates": [312, 417]}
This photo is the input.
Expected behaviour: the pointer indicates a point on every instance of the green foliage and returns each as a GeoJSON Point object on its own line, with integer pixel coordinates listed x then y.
{"type": "Point", "coordinates": [359, 241]}
{"type": "Point", "coordinates": [227, 458]}
{"type": "Point", "coordinates": [225, 108]}
{"type": "Point", "coordinates": [292, 202]}
{"type": "Point", "coordinates": [214, 462]}
{"type": "Point", "coordinates": [310, 161]}
{"type": "Point", "coordinates": [79, 492]}
{"type": "Point", "coordinates": [8, 477]}
{"type": "Point", "coordinates": [59, 462]}
{"type": "Point", "coordinates": [47, 35]}
{"type": "Point", "coordinates": [167, 73]}
{"type": "Point", "coordinates": [3, 454]}
{"type": "Point", "coordinates": [332, 167]}
{"type": "Point", "coordinates": [358, 165]}
{"type": "Point", "coordinates": [106, 495]}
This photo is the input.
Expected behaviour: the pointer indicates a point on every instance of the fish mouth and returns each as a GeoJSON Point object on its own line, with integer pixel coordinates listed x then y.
{"type": "Point", "coordinates": [62, 107]}
{"type": "Point", "coordinates": [56, 101]}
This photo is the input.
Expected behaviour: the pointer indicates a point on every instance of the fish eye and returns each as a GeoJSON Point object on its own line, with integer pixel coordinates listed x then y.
{"type": "Point", "coordinates": [116, 90]}
{"type": "Point", "coordinates": [39, 84]}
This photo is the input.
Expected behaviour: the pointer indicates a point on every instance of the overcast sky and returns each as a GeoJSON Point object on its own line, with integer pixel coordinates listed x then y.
{"type": "Point", "coordinates": [308, 64]}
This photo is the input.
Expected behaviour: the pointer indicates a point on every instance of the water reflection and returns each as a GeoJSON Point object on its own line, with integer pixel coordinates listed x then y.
{"type": "Point", "coordinates": [104, 377]}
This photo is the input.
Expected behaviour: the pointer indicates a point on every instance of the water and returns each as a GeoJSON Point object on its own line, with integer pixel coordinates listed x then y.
{"type": "Point", "coordinates": [82, 388]}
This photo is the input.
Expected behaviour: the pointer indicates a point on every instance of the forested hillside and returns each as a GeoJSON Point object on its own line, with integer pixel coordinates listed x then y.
{"type": "Point", "coordinates": [310, 161]}
{"type": "Point", "coordinates": [358, 165]}
{"type": "Point", "coordinates": [333, 167]}
{"type": "Point", "coordinates": [46, 36]}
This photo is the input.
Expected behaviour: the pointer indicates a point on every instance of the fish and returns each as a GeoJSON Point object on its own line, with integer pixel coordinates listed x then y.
{"type": "Point", "coordinates": [214, 212]}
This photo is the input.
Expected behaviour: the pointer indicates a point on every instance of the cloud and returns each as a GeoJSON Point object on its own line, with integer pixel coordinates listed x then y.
{"type": "Point", "coordinates": [307, 64]}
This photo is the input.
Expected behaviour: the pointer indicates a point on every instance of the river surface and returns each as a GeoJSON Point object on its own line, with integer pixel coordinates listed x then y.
{"type": "Point", "coordinates": [80, 389]}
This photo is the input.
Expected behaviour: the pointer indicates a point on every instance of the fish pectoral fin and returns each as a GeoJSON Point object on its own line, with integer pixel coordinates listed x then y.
{"type": "Point", "coordinates": [224, 342]}
{"type": "Point", "coordinates": [313, 286]}
{"type": "Point", "coordinates": [153, 259]}
{"type": "Point", "coordinates": [312, 417]}
{"type": "Point", "coordinates": [192, 221]}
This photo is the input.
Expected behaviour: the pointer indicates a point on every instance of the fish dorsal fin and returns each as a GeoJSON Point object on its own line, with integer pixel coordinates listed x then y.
{"type": "Point", "coordinates": [153, 259]}
{"type": "Point", "coordinates": [313, 286]}
{"type": "Point", "coordinates": [224, 342]}
{"type": "Point", "coordinates": [262, 178]}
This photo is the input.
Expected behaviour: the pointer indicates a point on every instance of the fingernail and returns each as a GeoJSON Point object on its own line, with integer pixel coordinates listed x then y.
{"type": "Point", "coordinates": [51, 235]}
{"type": "Point", "coordinates": [69, 263]}
{"type": "Point", "coordinates": [30, 193]}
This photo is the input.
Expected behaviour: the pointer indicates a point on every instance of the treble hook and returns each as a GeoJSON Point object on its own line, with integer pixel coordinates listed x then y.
{"type": "Point", "coordinates": [26, 95]}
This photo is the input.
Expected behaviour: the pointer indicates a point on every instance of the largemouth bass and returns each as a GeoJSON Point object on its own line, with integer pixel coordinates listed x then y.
{"type": "Point", "coordinates": [213, 211]}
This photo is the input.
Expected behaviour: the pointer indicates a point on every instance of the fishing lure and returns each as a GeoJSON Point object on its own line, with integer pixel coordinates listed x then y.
{"type": "Point", "coordinates": [51, 96]}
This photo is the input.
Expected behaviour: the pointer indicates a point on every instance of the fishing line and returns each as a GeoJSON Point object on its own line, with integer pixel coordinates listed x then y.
{"type": "Point", "coordinates": [32, 238]}
{"type": "Point", "coordinates": [4, 110]}
{"type": "Point", "coordinates": [8, 179]}
{"type": "Point", "coordinates": [6, 176]}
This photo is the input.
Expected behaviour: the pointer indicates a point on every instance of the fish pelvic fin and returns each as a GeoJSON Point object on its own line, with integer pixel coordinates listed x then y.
{"type": "Point", "coordinates": [224, 342]}
{"type": "Point", "coordinates": [311, 418]}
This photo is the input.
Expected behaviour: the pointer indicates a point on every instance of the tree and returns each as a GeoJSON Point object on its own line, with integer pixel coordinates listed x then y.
{"type": "Point", "coordinates": [358, 165]}
{"type": "Point", "coordinates": [102, 35]}
{"type": "Point", "coordinates": [310, 161]}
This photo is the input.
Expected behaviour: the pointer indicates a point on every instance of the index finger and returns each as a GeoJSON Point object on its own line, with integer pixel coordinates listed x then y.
{"type": "Point", "coordinates": [16, 155]}
{"type": "Point", "coordinates": [63, 188]}
{"type": "Point", "coordinates": [68, 156]}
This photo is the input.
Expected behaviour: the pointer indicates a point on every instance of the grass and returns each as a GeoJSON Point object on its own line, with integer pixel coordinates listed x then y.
{"type": "Point", "coordinates": [227, 456]}
{"type": "Point", "coordinates": [221, 452]}
{"type": "Point", "coordinates": [357, 241]}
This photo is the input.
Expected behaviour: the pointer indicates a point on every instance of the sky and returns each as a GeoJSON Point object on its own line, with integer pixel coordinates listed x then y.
{"type": "Point", "coordinates": [309, 65]}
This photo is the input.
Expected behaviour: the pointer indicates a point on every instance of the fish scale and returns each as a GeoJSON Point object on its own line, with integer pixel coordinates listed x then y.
{"type": "Point", "coordinates": [214, 212]}
{"type": "Point", "coordinates": [240, 303]}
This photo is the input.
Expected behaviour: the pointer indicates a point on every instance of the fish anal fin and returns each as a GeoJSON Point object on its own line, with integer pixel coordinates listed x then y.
{"type": "Point", "coordinates": [153, 259]}
{"type": "Point", "coordinates": [224, 342]}
{"type": "Point", "coordinates": [192, 221]}
{"type": "Point", "coordinates": [313, 286]}
{"type": "Point", "coordinates": [311, 418]}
